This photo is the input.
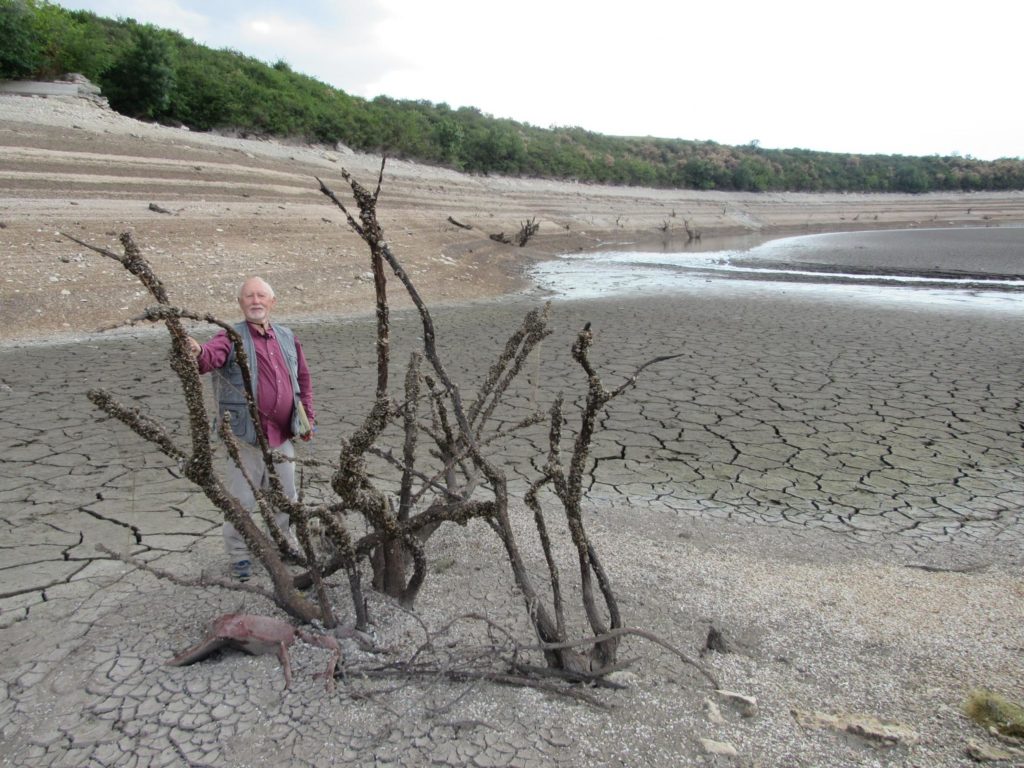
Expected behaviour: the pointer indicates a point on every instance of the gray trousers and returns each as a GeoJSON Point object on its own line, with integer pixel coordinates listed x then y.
{"type": "Point", "coordinates": [238, 486]}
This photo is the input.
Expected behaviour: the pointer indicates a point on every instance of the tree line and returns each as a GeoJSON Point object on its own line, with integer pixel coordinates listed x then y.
{"type": "Point", "coordinates": [157, 74]}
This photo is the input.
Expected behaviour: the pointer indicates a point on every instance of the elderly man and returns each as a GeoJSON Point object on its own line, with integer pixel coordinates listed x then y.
{"type": "Point", "coordinates": [284, 399]}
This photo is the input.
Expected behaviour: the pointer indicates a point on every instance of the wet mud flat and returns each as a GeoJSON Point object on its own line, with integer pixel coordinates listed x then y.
{"type": "Point", "coordinates": [993, 254]}
{"type": "Point", "coordinates": [980, 267]}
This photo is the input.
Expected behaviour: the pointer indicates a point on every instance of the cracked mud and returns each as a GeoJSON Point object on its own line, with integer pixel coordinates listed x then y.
{"type": "Point", "coordinates": [894, 432]}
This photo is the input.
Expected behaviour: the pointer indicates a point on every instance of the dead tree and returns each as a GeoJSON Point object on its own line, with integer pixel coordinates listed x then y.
{"type": "Point", "coordinates": [459, 432]}
{"type": "Point", "coordinates": [527, 230]}
{"type": "Point", "coordinates": [441, 472]}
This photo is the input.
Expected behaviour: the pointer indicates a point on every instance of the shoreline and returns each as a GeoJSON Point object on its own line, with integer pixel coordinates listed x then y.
{"type": "Point", "coordinates": [522, 288]}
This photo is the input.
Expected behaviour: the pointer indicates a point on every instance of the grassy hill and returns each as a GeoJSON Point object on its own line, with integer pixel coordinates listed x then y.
{"type": "Point", "coordinates": [158, 74]}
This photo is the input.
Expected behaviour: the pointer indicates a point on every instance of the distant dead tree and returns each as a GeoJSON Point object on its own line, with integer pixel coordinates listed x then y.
{"type": "Point", "coordinates": [441, 470]}
{"type": "Point", "coordinates": [691, 234]}
{"type": "Point", "coordinates": [527, 230]}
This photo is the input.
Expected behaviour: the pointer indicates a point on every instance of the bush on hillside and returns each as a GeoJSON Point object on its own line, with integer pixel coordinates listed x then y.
{"type": "Point", "coordinates": [159, 74]}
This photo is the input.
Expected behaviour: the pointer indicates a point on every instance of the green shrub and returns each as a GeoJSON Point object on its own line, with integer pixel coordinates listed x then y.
{"type": "Point", "coordinates": [159, 74]}
{"type": "Point", "coordinates": [19, 47]}
{"type": "Point", "coordinates": [140, 81]}
{"type": "Point", "coordinates": [991, 710]}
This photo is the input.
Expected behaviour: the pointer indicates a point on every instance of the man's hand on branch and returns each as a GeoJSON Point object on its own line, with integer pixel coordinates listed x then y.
{"type": "Point", "coordinates": [194, 347]}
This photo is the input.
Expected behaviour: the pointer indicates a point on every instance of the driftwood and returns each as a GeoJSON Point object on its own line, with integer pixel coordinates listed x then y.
{"type": "Point", "coordinates": [459, 224]}
{"type": "Point", "coordinates": [501, 237]}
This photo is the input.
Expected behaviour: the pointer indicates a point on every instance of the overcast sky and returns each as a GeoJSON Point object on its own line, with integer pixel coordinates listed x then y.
{"type": "Point", "coordinates": [893, 77]}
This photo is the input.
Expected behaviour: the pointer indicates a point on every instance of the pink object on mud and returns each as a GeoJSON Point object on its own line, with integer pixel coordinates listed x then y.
{"type": "Point", "coordinates": [258, 635]}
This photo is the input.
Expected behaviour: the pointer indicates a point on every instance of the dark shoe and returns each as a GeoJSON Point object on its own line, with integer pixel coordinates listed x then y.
{"type": "Point", "coordinates": [242, 570]}
{"type": "Point", "coordinates": [291, 557]}
{"type": "Point", "coordinates": [292, 552]}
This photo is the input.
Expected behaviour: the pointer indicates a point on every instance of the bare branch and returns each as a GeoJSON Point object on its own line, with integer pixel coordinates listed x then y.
{"type": "Point", "coordinates": [459, 224]}
{"type": "Point", "coordinates": [201, 582]}
{"type": "Point", "coordinates": [526, 231]}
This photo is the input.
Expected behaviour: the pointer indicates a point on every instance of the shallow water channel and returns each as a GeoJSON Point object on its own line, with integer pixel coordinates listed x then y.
{"type": "Point", "coordinates": [978, 268]}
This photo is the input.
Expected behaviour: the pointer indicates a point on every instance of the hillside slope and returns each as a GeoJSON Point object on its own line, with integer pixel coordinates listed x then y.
{"type": "Point", "coordinates": [240, 206]}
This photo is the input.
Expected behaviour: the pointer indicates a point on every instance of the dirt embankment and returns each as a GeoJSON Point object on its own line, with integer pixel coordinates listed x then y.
{"type": "Point", "coordinates": [235, 207]}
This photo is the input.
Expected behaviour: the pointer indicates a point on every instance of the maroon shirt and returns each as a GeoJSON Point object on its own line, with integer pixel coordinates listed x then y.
{"type": "Point", "coordinates": [273, 381]}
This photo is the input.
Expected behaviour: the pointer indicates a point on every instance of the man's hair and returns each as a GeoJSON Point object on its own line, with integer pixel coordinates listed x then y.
{"type": "Point", "coordinates": [255, 277]}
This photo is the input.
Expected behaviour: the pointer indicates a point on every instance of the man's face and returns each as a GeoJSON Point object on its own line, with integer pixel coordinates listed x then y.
{"type": "Point", "coordinates": [256, 301]}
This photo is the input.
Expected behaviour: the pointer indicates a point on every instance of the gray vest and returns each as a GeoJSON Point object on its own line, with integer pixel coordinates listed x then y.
{"type": "Point", "coordinates": [229, 389]}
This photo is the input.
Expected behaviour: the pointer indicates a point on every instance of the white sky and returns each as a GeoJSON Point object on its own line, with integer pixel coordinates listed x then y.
{"type": "Point", "coordinates": [895, 77]}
